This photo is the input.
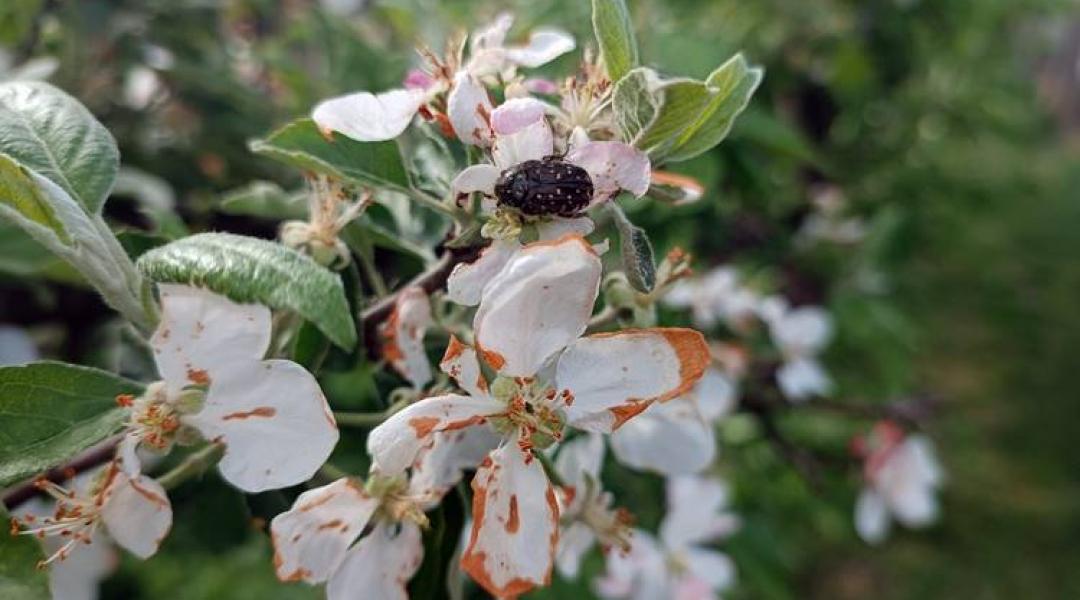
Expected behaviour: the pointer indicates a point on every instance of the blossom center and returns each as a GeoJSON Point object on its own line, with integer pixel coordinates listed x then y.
{"type": "Point", "coordinates": [534, 411]}
{"type": "Point", "coordinates": [156, 416]}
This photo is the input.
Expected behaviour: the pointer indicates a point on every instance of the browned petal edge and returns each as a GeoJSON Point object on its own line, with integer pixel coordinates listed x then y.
{"type": "Point", "coordinates": [569, 237]}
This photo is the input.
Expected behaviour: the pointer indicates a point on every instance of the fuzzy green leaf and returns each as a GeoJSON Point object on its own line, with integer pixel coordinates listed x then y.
{"type": "Point", "coordinates": [615, 36]}
{"type": "Point", "coordinates": [302, 145]}
{"type": "Point", "coordinates": [19, 576]}
{"type": "Point", "coordinates": [51, 411]}
{"type": "Point", "coordinates": [50, 132]}
{"type": "Point", "coordinates": [248, 269]}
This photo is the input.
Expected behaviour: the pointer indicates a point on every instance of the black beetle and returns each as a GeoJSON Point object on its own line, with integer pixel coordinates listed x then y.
{"type": "Point", "coordinates": [550, 186]}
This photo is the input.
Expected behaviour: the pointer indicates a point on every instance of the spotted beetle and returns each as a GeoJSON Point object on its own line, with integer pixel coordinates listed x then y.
{"type": "Point", "coordinates": [550, 186]}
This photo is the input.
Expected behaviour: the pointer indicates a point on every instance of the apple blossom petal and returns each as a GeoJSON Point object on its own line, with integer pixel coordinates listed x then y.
{"type": "Point", "coordinates": [515, 529]}
{"type": "Point", "coordinates": [803, 378]}
{"type": "Point", "coordinates": [367, 117]}
{"type": "Point", "coordinates": [467, 281]}
{"type": "Point", "coordinates": [715, 394]}
{"type": "Point", "coordinates": [913, 503]}
{"type": "Point", "coordinates": [460, 363]}
{"type": "Point", "coordinates": [715, 569]}
{"type": "Point", "coordinates": [559, 227]}
{"type": "Point", "coordinates": [476, 178]}
{"type": "Point", "coordinates": [443, 461]}
{"type": "Point", "coordinates": [79, 574]}
{"type": "Point", "coordinates": [538, 304]}
{"type": "Point", "coordinates": [640, 573]}
{"type": "Point", "coordinates": [417, 79]}
{"type": "Point", "coordinates": [201, 332]}
{"type": "Point", "coordinates": [925, 460]}
{"type": "Point", "coordinates": [395, 444]}
{"type": "Point", "coordinates": [469, 110]}
{"type": "Point", "coordinates": [136, 513]}
{"type": "Point", "coordinates": [380, 565]}
{"type": "Point", "coordinates": [669, 438]}
{"type": "Point", "coordinates": [695, 512]}
{"type": "Point", "coordinates": [574, 542]}
{"type": "Point", "coordinates": [403, 336]}
{"type": "Point", "coordinates": [274, 421]}
{"type": "Point", "coordinates": [544, 46]}
{"type": "Point", "coordinates": [803, 331]}
{"type": "Point", "coordinates": [538, 85]}
{"type": "Point", "coordinates": [615, 376]}
{"type": "Point", "coordinates": [516, 114]}
{"type": "Point", "coordinates": [871, 517]}
{"type": "Point", "coordinates": [579, 458]}
{"type": "Point", "coordinates": [494, 34]}
{"type": "Point", "coordinates": [613, 166]}
{"type": "Point", "coordinates": [311, 538]}
{"type": "Point", "coordinates": [532, 142]}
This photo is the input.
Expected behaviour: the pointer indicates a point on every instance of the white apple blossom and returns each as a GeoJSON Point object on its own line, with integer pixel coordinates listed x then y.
{"type": "Point", "coordinates": [677, 437]}
{"type": "Point", "coordinates": [586, 513]}
{"type": "Point", "coordinates": [79, 574]}
{"type": "Point", "coordinates": [800, 334]}
{"type": "Point", "coordinates": [678, 564]}
{"type": "Point", "coordinates": [368, 117]}
{"type": "Point", "coordinates": [528, 329]}
{"type": "Point", "coordinates": [902, 476]}
{"type": "Point", "coordinates": [403, 336]}
{"type": "Point", "coordinates": [117, 503]}
{"type": "Point", "coordinates": [517, 132]}
{"type": "Point", "coordinates": [719, 295]}
{"type": "Point", "coordinates": [270, 415]}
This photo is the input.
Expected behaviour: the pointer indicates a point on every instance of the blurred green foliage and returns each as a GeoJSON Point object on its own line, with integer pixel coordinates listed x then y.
{"type": "Point", "coordinates": [924, 115]}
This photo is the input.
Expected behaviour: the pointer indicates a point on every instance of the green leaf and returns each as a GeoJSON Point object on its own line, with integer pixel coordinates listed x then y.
{"type": "Point", "coordinates": [265, 200]}
{"type": "Point", "coordinates": [50, 132]}
{"type": "Point", "coordinates": [19, 576]}
{"type": "Point", "coordinates": [23, 258]}
{"type": "Point", "coordinates": [51, 411]}
{"type": "Point", "coordinates": [636, 250]}
{"type": "Point", "coordinates": [248, 269]}
{"type": "Point", "coordinates": [302, 145]}
{"type": "Point", "coordinates": [615, 37]}
{"type": "Point", "coordinates": [677, 119]}
{"type": "Point", "coordinates": [20, 193]}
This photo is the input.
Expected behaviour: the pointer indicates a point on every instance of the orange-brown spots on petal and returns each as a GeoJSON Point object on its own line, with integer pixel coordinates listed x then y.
{"type": "Point", "coordinates": [492, 358]}
{"type": "Point", "coordinates": [693, 355]}
{"type": "Point", "coordinates": [198, 376]}
{"type": "Point", "coordinates": [331, 524]}
{"type": "Point", "coordinates": [261, 411]}
{"type": "Point", "coordinates": [298, 575]}
{"type": "Point", "coordinates": [627, 411]}
{"type": "Point", "coordinates": [691, 186]}
{"type": "Point", "coordinates": [513, 521]}
{"type": "Point", "coordinates": [125, 400]}
{"type": "Point", "coordinates": [423, 426]}
{"type": "Point", "coordinates": [453, 350]}
{"type": "Point", "coordinates": [150, 495]}
{"type": "Point", "coordinates": [577, 237]}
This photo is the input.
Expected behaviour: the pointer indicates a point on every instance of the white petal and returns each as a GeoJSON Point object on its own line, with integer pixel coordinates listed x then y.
{"type": "Point", "coordinates": [469, 110]}
{"type": "Point", "coordinates": [201, 332]}
{"type": "Point", "coordinates": [476, 178]}
{"type": "Point", "coordinates": [544, 46]}
{"type": "Point", "coordinates": [492, 35]}
{"type": "Point", "coordinates": [367, 117]}
{"type": "Point", "coordinates": [274, 421]}
{"type": "Point", "coordinates": [613, 166]}
{"type": "Point", "coordinates": [715, 395]}
{"type": "Point", "coordinates": [803, 331]}
{"type": "Point", "coordinates": [615, 376]}
{"type": "Point", "coordinates": [78, 576]}
{"type": "Point", "coordinates": [640, 574]}
{"type": "Point", "coordinates": [468, 280]}
{"type": "Point", "coordinates": [310, 539]}
{"type": "Point", "coordinates": [461, 364]}
{"type": "Point", "coordinates": [574, 542]}
{"type": "Point", "coordinates": [695, 512]}
{"type": "Point", "coordinates": [441, 463]}
{"type": "Point", "coordinates": [871, 517]}
{"type": "Point", "coordinates": [136, 513]}
{"type": "Point", "coordinates": [540, 302]}
{"type": "Point", "coordinates": [558, 227]}
{"type": "Point", "coordinates": [403, 336]}
{"type": "Point", "coordinates": [579, 458]}
{"type": "Point", "coordinates": [380, 565]}
{"type": "Point", "coordinates": [715, 569]}
{"type": "Point", "coordinates": [512, 544]}
{"type": "Point", "coordinates": [803, 378]}
{"type": "Point", "coordinates": [532, 142]}
{"type": "Point", "coordinates": [924, 459]}
{"type": "Point", "coordinates": [669, 438]}
{"type": "Point", "coordinates": [516, 114]}
{"type": "Point", "coordinates": [395, 444]}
